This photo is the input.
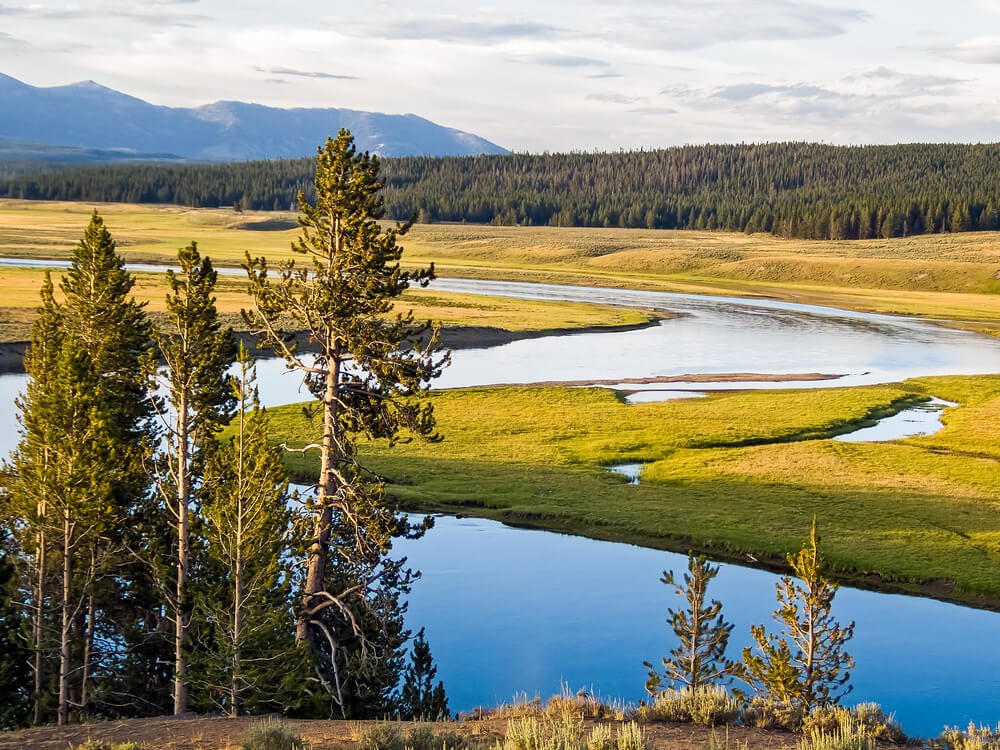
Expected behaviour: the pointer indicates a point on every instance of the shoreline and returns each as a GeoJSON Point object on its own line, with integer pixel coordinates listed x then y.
{"type": "Point", "coordinates": [452, 337]}
{"type": "Point", "coordinates": [938, 590]}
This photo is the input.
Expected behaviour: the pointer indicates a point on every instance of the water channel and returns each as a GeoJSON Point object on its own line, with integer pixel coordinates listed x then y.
{"type": "Point", "coordinates": [510, 611]}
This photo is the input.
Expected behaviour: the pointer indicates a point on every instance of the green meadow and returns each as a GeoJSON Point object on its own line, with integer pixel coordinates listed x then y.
{"type": "Point", "coordinates": [737, 474]}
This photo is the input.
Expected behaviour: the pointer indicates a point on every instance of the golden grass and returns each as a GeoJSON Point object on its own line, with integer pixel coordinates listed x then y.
{"type": "Point", "coordinates": [951, 277]}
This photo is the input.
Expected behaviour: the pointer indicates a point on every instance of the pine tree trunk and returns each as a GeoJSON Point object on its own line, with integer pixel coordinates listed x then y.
{"type": "Point", "coordinates": [180, 626]}
{"type": "Point", "coordinates": [316, 565]}
{"type": "Point", "coordinates": [36, 627]}
{"type": "Point", "coordinates": [88, 649]}
{"type": "Point", "coordinates": [64, 639]}
{"type": "Point", "coordinates": [234, 703]}
{"type": "Point", "coordinates": [236, 666]}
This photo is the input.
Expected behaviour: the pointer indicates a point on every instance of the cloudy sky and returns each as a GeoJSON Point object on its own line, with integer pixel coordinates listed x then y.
{"type": "Point", "coordinates": [543, 75]}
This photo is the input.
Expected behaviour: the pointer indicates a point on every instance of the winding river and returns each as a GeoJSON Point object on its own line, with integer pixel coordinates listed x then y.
{"type": "Point", "coordinates": [509, 611]}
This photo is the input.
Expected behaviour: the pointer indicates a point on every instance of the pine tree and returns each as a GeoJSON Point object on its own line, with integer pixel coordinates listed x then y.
{"type": "Point", "coordinates": [368, 375]}
{"type": "Point", "coordinates": [419, 698]}
{"type": "Point", "coordinates": [27, 479]}
{"type": "Point", "coordinates": [700, 658]}
{"type": "Point", "coordinates": [197, 352]}
{"type": "Point", "coordinates": [15, 666]}
{"type": "Point", "coordinates": [246, 527]}
{"type": "Point", "coordinates": [78, 477]}
{"type": "Point", "coordinates": [806, 665]}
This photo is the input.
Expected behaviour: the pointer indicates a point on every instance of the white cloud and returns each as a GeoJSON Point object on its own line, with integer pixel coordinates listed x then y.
{"type": "Point", "coordinates": [534, 75]}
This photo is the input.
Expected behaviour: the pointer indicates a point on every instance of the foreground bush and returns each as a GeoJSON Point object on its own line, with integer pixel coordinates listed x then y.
{"type": "Point", "coordinates": [707, 706]}
{"type": "Point", "coordinates": [567, 733]}
{"type": "Point", "coordinates": [272, 734]}
{"type": "Point", "coordinates": [847, 735]}
{"type": "Point", "coordinates": [865, 718]}
{"type": "Point", "coordinates": [390, 736]}
{"type": "Point", "coordinates": [580, 704]}
{"type": "Point", "coordinates": [973, 738]}
{"type": "Point", "coordinates": [101, 745]}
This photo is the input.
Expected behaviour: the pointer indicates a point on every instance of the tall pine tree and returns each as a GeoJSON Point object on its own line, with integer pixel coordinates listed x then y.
{"type": "Point", "coordinates": [368, 374]}
{"type": "Point", "coordinates": [197, 352]}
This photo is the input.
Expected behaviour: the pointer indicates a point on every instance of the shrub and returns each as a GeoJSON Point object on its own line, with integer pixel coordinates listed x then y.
{"type": "Point", "coordinates": [381, 736]}
{"type": "Point", "coordinates": [866, 718]}
{"type": "Point", "coordinates": [566, 733]}
{"type": "Point", "coordinates": [707, 706]}
{"type": "Point", "coordinates": [631, 737]}
{"type": "Point", "coordinates": [102, 745]}
{"type": "Point", "coordinates": [272, 734]}
{"type": "Point", "coordinates": [601, 738]}
{"type": "Point", "coordinates": [423, 737]}
{"type": "Point", "coordinates": [848, 735]}
{"type": "Point", "coordinates": [767, 713]}
{"type": "Point", "coordinates": [973, 738]}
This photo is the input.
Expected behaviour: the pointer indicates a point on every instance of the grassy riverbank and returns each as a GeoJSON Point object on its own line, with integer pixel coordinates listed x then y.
{"type": "Point", "coordinates": [737, 474]}
{"type": "Point", "coordinates": [951, 277]}
{"type": "Point", "coordinates": [21, 288]}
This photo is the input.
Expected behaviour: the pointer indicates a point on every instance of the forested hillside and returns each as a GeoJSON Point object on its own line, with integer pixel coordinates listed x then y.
{"type": "Point", "coordinates": [788, 189]}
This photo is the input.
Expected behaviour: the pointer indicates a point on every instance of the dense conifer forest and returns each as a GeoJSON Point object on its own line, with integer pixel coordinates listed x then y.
{"type": "Point", "coordinates": [788, 189]}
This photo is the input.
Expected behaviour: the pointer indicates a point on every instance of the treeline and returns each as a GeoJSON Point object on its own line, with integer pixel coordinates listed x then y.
{"type": "Point", "coordinates": [151, 558]}
{"type": "Point", "coordinates": [788, 189]}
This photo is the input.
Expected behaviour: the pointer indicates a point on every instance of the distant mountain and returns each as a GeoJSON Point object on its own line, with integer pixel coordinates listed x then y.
{"type": "Point", "coordinates": [90, 116]}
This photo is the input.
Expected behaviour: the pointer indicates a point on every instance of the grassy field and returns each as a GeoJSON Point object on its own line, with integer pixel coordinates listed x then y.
{"type": "Point", "coordinates": [21, 288]}
{"type": "Point", "coordinates": [950, 277]}
{"type": "Point", "coordinates": [735, 474]}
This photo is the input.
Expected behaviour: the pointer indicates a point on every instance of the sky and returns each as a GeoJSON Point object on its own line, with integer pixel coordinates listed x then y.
{"type": "Point", "coordinates": [540, 75]}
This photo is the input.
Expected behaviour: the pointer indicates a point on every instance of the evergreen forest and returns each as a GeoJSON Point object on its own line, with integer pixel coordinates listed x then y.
{"type": "Point", "coordinates": [801, 190]}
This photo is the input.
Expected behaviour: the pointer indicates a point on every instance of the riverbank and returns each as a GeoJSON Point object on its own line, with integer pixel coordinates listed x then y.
{"type": "Point", "coordinates": [953, 279]}
{"type": "Point", "coordinates": [737, 475]}
{"type": "Point", "coordinates": [452, 337]}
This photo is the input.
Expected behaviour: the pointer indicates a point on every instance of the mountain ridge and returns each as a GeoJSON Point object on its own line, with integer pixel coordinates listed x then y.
{"type": "Point", "coordinates": [90, 115]}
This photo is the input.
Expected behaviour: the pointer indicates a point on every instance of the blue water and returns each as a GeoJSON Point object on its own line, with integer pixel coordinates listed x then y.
{"type": "Point", "coordinates": [511, 611]}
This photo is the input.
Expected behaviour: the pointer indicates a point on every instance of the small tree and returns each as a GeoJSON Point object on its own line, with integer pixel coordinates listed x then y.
{"type": "Point", "coordinates": [806, 666]}
{"type": "Point", "coordinates": [419, 697]}
{"type": "Point", "coordinates": [700, 658]}
{"type": "Point", "coordinates": [246, 525]}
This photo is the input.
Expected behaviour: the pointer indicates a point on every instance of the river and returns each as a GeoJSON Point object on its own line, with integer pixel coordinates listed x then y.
{"type": "Point", "coordinates": [510, 610]}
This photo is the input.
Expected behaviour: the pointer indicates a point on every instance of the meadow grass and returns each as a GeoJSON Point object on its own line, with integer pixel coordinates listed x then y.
{"type": "Point", "coordinates": [21, 287]}
{"type": "Point", "coordinates": [738, 474]}
{"type": "Point", "coordinates": [952, 277]}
